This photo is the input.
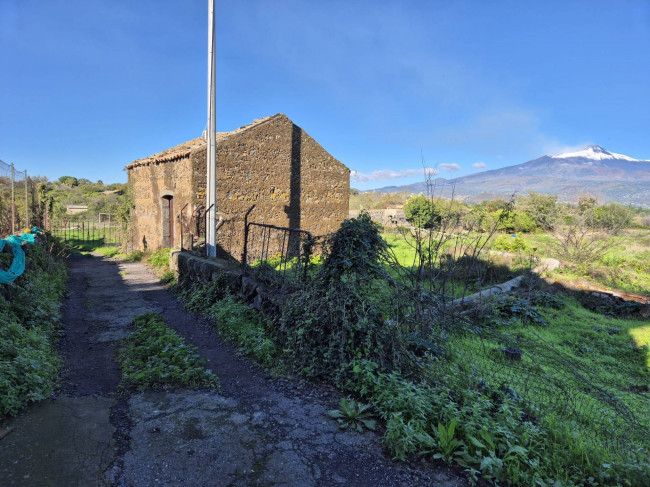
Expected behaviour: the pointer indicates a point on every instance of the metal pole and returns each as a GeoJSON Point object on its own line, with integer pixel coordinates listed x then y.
{"type": "Point", "coordinates": [211, 183]}
{"type": "Point", "coordinates": [13, 200]}
{"type": "Point", "coordinates": [27, 225]}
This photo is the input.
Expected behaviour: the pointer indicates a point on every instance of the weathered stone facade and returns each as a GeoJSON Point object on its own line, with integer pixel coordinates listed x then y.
{"type": "Point", "coordinates": [271, 163]}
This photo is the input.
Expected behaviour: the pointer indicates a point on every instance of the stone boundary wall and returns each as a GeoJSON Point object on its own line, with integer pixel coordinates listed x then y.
{"type": "Point", "coordinates": [188, 265]}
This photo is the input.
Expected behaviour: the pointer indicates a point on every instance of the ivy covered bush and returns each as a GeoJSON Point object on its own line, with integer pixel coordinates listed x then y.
{"type": "Point", "coordinates": [29, 329]}
{"type": "Point", "coordinates": [346, 313]}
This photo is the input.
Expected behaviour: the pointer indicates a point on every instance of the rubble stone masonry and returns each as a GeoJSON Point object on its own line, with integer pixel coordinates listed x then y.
{"type": "Point", "coordinates": [272, 164]}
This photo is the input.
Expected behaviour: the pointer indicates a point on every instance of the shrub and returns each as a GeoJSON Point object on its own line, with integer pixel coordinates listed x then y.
{"type": "Point", "coordinates": [508, 243]}
{"type": "Point", "coordinates": [421, 212]}
{"type": "Point", "coordinates": [29, 327]}
{"type": "Point", "coordinates": [612, 216]}
{"type": "Point", "coordinates": [345, 313]}
{"type": "Point", "coordinates": [542, 208]}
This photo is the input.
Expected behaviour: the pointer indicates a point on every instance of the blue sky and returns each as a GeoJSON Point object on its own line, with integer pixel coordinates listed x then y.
{"type": "Point", "coordinates": [87, 86]}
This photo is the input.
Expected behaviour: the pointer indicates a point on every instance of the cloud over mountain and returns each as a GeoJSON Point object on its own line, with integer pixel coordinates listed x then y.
{"type": "Point", "coordinates": [356, 176]}
{"type": "Point", "coordinates": [607, 175]}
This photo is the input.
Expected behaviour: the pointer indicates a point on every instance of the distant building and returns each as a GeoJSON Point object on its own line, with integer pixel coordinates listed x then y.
{"type": "Point", "coordinates": [74, 209]}
{"type": "Point", "coordinates": [271, 163]}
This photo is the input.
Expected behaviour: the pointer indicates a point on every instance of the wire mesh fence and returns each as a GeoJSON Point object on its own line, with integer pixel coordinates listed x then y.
{"type": "Point", "coordinates": [19, 203]}
{"type": "Point", "coordinates": [101, 233]}
{"type": "Point", "coordinates": [557, 388]}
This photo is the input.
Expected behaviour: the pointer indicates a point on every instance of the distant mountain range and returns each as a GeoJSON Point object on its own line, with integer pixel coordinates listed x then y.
{"type": "Point", "coordinates": [605, 175]}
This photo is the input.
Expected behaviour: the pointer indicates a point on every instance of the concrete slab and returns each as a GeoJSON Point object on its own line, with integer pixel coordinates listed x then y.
{"type": "Point", "coordinates": [63, 442]}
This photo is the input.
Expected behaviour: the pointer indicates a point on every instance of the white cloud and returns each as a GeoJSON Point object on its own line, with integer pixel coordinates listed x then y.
{"type": "Point", "coordinates": [512, 132]}
{"type": "Point", "coordinates": [360, 177]}
{"type": "Point", "coordinates": [554, 149]}
{"type": "Point", "coordinates": [449, 167]}
{"type": "Point", "coordinates": [479, 165]}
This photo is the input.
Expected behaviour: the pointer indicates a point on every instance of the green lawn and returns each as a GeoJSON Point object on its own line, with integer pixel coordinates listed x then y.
{"type": "Point", "coordinates": [583, 370]}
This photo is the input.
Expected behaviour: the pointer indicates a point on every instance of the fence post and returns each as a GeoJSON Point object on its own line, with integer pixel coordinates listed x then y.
{"type": "Point", "coordinates": [13, 200]}
{"type": "Point", "coordinates": [245, 251]}
{"type": "Point", "coordinates": [27, 225]}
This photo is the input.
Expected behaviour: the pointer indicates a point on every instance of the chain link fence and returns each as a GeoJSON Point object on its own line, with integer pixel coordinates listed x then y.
{"type": "Point", "coordinates": [19, 202]}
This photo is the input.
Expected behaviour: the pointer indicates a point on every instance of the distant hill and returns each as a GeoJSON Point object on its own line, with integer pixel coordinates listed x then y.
{"type": "Point", "coordinates": [605, 175]}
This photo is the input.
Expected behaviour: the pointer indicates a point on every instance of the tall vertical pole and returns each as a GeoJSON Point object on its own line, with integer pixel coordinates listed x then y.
{"type": "Point", "coordinates": [13, 200]}
{"type": "Point", "coordinates": [26, 202]}
{"type": "Point", "coordinates": [211, 183]}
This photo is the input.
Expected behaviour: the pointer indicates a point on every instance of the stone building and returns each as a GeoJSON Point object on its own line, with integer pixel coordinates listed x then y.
{"type": "Point", "coordinates": [271, 163]}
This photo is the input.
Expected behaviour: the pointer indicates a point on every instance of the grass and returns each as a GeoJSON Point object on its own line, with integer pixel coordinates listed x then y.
{"type": "Point", "coordinates": [580, 370]}
{"type": "Point", "coordinates": [155, 356]}
{"type": "Point", "coordinates": [641, 336]}
{"type": "Point", "coordinates": [94, 245]}
{"type": "Point", "coordinates": [470, 274]}
{"type": "Point", "coordinates": [236, 322]}
{"type": "Point", "coordinates": [625, 265]}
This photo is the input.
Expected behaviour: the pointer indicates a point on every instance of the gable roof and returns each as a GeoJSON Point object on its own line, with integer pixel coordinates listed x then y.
{"type": "Point", "coordinates": [183, 150]}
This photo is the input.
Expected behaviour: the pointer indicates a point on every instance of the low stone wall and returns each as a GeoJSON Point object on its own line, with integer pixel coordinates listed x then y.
{"type": "Point", "coordinates": [188, 265]}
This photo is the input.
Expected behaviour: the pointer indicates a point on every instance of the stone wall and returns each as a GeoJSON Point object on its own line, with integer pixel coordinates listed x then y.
{"type": "Point", "coordinates": [150, 183]}
{"type": "Point", "coordinates": [276, 166]}
{"type": "Point", "coordinates": [188, 265]}
{"type": "Point", "coordinates": [389, 217]}
{"type": "Point", "coordinates": [272, 164]}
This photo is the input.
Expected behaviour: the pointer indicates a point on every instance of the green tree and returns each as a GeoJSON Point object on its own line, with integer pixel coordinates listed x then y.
{"type": "Point", "coordinates": [542, 208]}
{"type": "Point", "coordinates": [613, 217]}
{"type": "Point", "coordinates": [68, 181]}
{"type": "Point", "coordinates": [421, 212]}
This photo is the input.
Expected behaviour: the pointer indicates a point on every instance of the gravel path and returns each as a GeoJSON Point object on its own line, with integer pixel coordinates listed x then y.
{"type": "Point", "coordinates": [257, 431]}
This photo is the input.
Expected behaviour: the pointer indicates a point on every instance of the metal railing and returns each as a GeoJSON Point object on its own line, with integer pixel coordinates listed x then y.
{"type": "Point", "coordinates": [102, 234]}
{"type": "Point", "coordinates": [283, 249]}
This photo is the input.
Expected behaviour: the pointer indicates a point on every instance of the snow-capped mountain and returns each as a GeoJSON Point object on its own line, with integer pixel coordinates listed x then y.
{"type": "Point", "coordinates": [595, 153]}
{"type": "Point", "coordinates": [594, 170]}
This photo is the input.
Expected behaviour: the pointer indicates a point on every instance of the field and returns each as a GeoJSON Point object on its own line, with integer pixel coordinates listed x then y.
{"type": "Point", "coordinates": [581, 366]}
{"type": "Point", "coordinates": [625, 265]}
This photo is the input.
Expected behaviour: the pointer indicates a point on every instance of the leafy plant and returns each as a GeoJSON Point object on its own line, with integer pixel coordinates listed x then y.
{"type": "Point", "coordinates": [488, 455]}
{"type": "Point", "coordinates": [447, 443]}
{"type": "Point", "coordinates": [29, 328]}
{"type": "Point", "coordinates": [160, 258]}
{"type": "Point", "coordinates": [155, 356]}
{"type": "Point", "coordinates": [353, 415]}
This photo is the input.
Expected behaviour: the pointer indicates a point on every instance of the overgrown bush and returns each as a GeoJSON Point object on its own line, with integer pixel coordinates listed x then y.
{"type": "Point", "coordinates": [346, 313]}
{"type": "Point", "coordinates": [29, 330]}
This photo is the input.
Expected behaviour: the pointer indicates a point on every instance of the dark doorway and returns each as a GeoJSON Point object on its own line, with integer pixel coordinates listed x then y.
{"type": "Point", "coordinates": [167, 221]}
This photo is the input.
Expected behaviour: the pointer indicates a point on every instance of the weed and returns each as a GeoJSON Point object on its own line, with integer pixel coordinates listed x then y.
{"type": "Point", "coordinates": [235, 321]}
{"type": "Point", "coordinates": [155, 356]}
{"type": "Point", "coordinates": [29, 328]}
{"type": "Point", "coordinates": [354, 415]}
{"type": "Point", "coordinates": [168, 277]}
{"type": "Point", "coordinates": [160, 258]}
